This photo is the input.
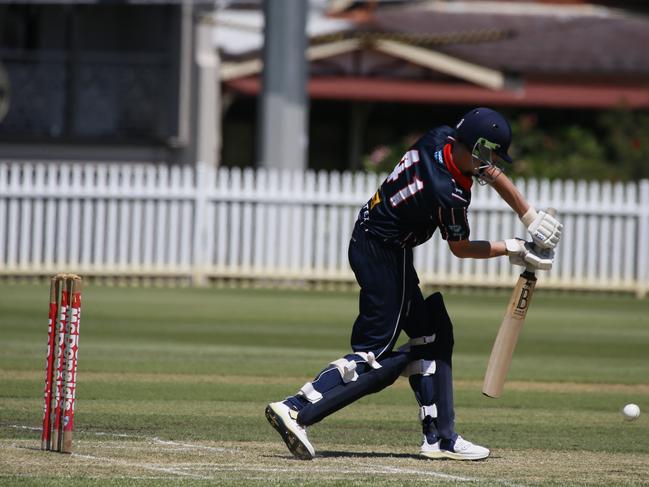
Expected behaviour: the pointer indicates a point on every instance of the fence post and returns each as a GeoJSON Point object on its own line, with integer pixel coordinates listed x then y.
{"type": "Point", "coordinates": [201, 181]}
{"type": "Point", "coordinates": [642, 250]}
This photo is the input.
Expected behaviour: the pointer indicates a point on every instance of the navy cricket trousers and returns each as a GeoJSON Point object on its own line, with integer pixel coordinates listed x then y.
{"type": "Point", "coordinates": [390, 298]}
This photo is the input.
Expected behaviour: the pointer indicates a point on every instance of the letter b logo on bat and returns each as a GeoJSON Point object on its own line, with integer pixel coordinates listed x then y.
{"type": "Point", "coordinates": [523, 300]}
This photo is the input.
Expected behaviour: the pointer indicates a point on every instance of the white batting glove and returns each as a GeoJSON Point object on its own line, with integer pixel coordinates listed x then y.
{"type": "Point", "coordinates": [522, 253]}
{"type": "Point", "coordinates": [543, 227]}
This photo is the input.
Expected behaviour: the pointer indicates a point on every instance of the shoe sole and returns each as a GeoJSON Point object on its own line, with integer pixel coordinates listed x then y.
{"type": "Point", "coordinates": [295, 446]}
{"type": "Point", "coordinates": [450, 455]}
{"type": "Point", "coordinates": [435, 455]}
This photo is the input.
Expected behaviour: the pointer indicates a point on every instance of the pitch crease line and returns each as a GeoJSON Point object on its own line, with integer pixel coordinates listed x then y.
{"type": "Point", "coordinates": [385, 469]}
{"type": "Point", "coordinates": [153, 439]}
{"type": "Point", "coordinates": [381, 470]}
{"type": "Point", "coordinates": [146, 466]}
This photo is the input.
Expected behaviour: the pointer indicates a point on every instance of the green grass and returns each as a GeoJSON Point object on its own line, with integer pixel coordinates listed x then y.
{"type": "Point", "coordinates": [197, 366]}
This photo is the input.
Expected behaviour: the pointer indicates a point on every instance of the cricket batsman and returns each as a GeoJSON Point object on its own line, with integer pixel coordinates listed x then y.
{"type": "Point", "coordinates": [428, 190]}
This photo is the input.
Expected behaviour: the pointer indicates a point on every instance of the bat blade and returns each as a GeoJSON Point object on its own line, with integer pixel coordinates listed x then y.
{"type": "Point", "coordinates": [503, 348]}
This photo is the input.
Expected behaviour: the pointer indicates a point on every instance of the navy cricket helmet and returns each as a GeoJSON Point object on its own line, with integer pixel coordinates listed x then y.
{"type": "Point", "coordinates": [484, 126]}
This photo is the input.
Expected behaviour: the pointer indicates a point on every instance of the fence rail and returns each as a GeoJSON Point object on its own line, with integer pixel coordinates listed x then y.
{"type": "Point", "coordinates": [200, 223]}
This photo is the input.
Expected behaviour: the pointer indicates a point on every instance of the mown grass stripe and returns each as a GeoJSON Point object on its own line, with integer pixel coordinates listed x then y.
{"type": "Point", "coordinates": [246, 380]}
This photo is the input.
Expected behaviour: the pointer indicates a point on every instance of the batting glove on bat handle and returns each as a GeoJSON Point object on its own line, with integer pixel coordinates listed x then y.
{"type": "Point", "coordinates": [544, 228]}
{"type": "Point", "coordinates": [522, 253]}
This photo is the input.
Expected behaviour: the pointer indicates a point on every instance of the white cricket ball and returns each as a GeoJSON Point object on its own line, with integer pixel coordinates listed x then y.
{"type": "Point", "coordinates": [631, 412]}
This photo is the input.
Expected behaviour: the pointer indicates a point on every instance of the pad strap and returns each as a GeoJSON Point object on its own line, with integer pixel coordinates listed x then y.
{"type": "Point", "coordinates": [422, 340]}
{"type": "Point", "coordinates": [347, 369]}
{"type": "Point", "coordinates": [310, 393]}
{"type": "Point", "coordinates": [416, 342]}
{"type": "Point", "coordinates": [369, 358]}
{"type": "Point", "coordinates": [420, 367]}
{"type": "Point", "coordinates": [427, 411]}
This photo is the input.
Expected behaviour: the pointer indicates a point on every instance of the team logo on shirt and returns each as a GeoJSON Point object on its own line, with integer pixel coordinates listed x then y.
{"type": "Point", "coordinates": [458, 193]}
{"type": "Point", "coordinates": [376, 199]}
{"type": "Point", "coordinates": [439, 157]}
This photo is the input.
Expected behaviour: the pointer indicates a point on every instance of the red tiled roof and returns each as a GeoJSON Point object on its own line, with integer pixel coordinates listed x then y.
{"type": "Point", "coordinates": [616, 44]}
{"type": "Point", "coordinates": [560, 59]}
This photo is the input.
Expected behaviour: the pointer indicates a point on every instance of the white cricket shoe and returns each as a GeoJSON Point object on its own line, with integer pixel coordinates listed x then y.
{"type": "Point", "coordinates": [430, 450]}
{"type": "Point", "coordinates": [460, 450]}
{"type": "Point", "coordinates": [284, 420]}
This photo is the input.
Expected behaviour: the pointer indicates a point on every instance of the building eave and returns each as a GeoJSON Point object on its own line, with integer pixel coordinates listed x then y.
{"type": "Point", "coordinates": [532, 93]}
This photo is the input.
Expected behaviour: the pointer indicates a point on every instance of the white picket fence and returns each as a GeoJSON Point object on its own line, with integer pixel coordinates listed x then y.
{"type": "Point", "coordinates": [202, 224]}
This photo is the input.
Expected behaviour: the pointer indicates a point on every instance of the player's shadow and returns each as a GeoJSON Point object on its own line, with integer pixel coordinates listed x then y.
{"type": "Point", "coordinates": [350, 454]}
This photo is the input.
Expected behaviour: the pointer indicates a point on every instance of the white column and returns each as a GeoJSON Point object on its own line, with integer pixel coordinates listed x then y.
{"type": "Point", "coordinates": [208, 130]}
{"type": "Point", "coordinates": [283, 120]}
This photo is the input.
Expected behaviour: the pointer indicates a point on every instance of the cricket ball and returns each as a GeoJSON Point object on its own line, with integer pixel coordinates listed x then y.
{"type": "Point", "coordinates": [631, 412]}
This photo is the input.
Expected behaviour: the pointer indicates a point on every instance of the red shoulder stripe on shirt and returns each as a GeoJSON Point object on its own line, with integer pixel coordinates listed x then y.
{"type": "Point", "coordinates": [461, 179]}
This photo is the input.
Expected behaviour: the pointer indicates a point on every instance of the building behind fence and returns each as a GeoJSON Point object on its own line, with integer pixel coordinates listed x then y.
{"type": "Point", "coordinates": [202, 224]}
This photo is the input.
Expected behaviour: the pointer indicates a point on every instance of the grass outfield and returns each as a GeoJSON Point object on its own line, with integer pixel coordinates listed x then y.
{"type": "Point", "coordinates": [172, 385]}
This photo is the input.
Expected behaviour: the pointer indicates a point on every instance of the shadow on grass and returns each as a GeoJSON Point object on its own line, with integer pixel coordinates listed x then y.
{"type": "Point", "coordinates": [411, 456]}
{"type": "Point", "coordinates": [347, 454]}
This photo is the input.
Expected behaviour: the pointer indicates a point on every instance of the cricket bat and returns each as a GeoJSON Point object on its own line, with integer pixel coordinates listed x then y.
{"type": "Point", "coordinates": [510, 328]}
